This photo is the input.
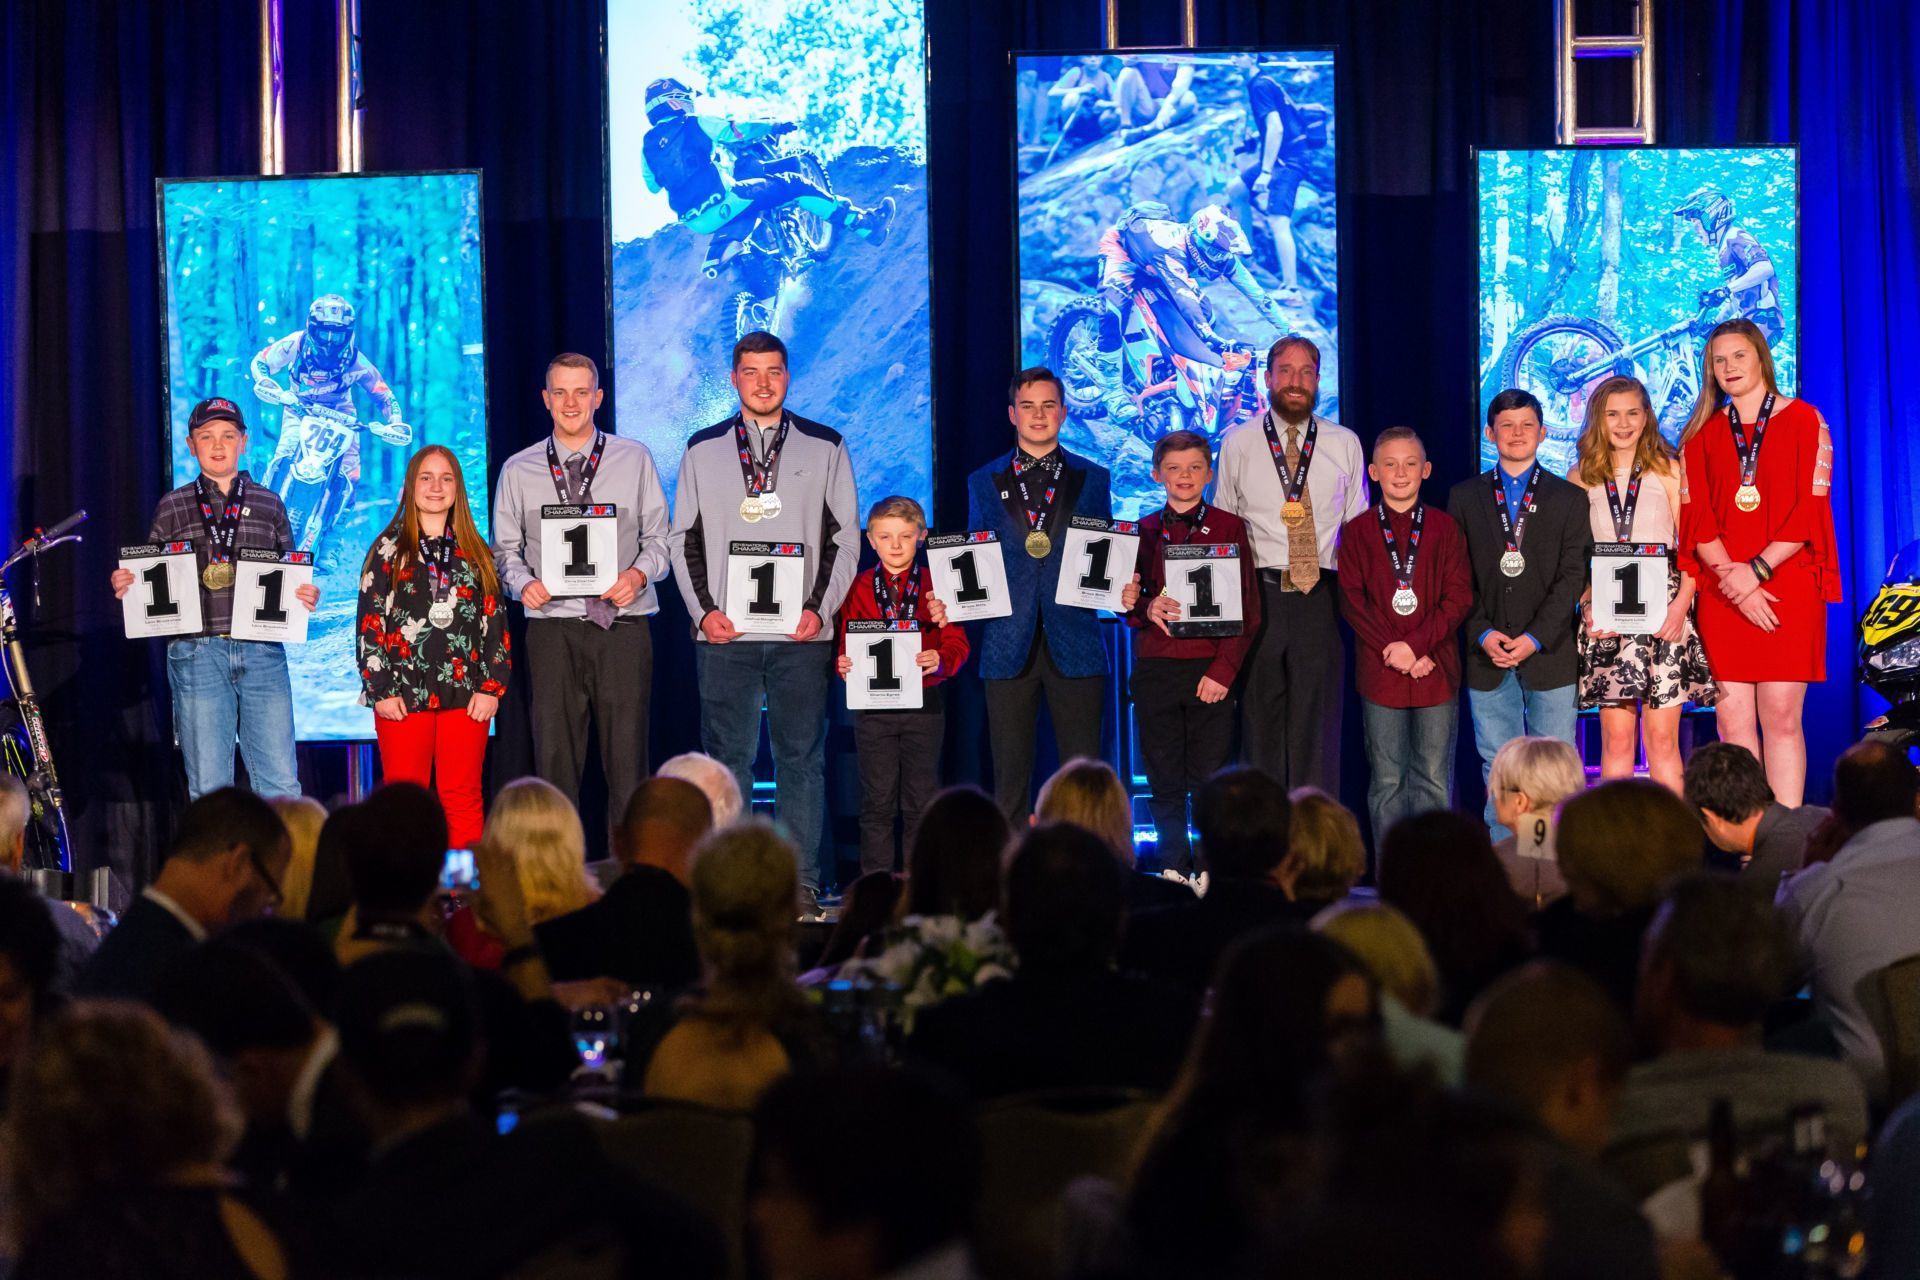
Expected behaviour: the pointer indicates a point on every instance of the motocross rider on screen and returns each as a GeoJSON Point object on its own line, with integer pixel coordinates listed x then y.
{"type": "Point", "coordinates": [325, 365]}
{"type": "Point", "coordinates": [1752, 290]}
{"type": "Point", "coordinates": [1184, 257]}
{"type": "Point", "coordinates": [678, 157]}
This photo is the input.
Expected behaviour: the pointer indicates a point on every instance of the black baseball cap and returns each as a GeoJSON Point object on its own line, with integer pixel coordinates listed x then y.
{"type": "Point", "coordinates": [214, 410]}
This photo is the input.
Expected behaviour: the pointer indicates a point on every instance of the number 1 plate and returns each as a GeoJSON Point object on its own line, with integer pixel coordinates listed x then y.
{"type": "Point", "coordinates": [764, 585]}
{"type": "Point", "coordinates": [263, 587]}
{"type": "Point", "coordinates": [1205, 578]}
{"type": "Point", "coordinates": [579, 548]}
{"type": "Point", "coordinates": [164, 599]}
{"type": "Point", "coordinates": [970, 575]}
{"type": "Point", "coordinates": [1629, 587]}
{"type": "Point", "coordinates": [886, 670]}
{"type": "Point", "coordinates": [1097, 562]}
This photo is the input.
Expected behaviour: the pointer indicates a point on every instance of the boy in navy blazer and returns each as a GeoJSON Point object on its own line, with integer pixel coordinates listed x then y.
{"type": "Point", "coordinates": [1044, 647]}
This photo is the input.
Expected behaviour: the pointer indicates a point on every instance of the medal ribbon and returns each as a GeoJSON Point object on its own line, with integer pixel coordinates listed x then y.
{"type": "Point", "coordinates": [763, 476]}
{"type": "Point", "coordinates": [1623, 513]}
{"type": "Point", "coordinates": [1295, 485]}
{"type": "Point", "coordinates": [437, 555]}
{"type": "Point", "coordinates": [1037, 512]}
{"type": "Point", "coordinates": [1511, 525]}
{"type": "Point", "coordinates": [1402, 574]}
{"type": "Point", "coordinates": [909, 603]}
{"type": "Point", "coordinates": [560, 485]}
{"type": "Point", "coordinates": [224, 528]}
{"type": "Point", "coordinates": [1749, 454]}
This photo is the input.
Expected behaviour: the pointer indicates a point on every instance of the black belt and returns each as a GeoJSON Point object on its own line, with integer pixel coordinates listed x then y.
{"type": "Point", "coordinates": [1283, 579]}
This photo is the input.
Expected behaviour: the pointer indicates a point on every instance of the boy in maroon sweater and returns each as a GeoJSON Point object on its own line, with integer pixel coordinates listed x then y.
{"type": "Point", "coordinates": [899, 751]}
{"type": "Point", "coordinates": [1183, 688]}
{"type": "Point", "coordinates": [1405, 586]}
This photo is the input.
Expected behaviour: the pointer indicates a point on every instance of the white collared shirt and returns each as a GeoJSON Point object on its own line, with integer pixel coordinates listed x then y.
{"type": "Point", "coordinates": [178, 912]}
{"type": "Point", "coordinates": [1249, 486]}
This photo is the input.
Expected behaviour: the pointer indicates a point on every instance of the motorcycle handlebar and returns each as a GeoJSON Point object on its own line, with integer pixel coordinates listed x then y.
{"type": "Point", "coordinates": [61, 528]}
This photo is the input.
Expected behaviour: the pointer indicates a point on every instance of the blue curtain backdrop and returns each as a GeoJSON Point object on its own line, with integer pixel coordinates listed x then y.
{"type": "Point", "coordinates": [101, 96]}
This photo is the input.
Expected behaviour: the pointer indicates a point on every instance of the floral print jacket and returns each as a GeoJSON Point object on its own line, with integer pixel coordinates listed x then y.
{"type": "Point", "coordinates": [403, 655]}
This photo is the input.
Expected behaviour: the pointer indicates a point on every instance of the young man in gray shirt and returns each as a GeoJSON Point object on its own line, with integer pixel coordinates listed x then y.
{"type": "Point", "coordinates": [587, 655]}
{"type": "Point", "coordinates": [768, 477]}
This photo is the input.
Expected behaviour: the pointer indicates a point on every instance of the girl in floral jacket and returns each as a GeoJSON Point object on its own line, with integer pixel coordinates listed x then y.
{"type": "Point", "coordinates": [434, 653]}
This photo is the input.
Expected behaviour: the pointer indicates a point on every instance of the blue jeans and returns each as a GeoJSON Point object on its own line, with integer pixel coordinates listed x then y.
{"type": "Point", "coordinates": [223, 689]}
{"type": "Point", "coordinates": [1409, 760]}
{"type": "Point", "coordinates": [791, 681]}
{"type": "Point", "coordinates": [1510, 710]}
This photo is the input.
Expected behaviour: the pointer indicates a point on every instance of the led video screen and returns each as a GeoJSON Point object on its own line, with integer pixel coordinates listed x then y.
{"type": "Point", "coordinates": [767, 170]}
{"type": "Point", "coordinates": [1177, 215]}
{"type": "Point", "coordinates": [1601, 261]}
{"type": "Point", "coordinates": [344, 315]}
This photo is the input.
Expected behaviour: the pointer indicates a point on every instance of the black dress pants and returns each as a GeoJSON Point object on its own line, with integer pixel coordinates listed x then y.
{"type": "Point", "coordinates": [1076, 703]}
{"type": "Point", "coordinates": [1183, 742]}
{"type": "Point", "coordinates": [1295, 679]}
{"type": "Point", "coordinates": [899, 756]}
{"type": "Point", "coordinates": [579, 671]}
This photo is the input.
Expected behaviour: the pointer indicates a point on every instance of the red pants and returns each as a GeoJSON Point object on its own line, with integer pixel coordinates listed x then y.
{"type": "Point", "coordinates": [449, 744]}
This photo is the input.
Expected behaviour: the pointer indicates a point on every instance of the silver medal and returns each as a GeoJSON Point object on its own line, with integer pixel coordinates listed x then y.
{"type": "Point", "coordinates": [1513, 564]}
{"type": "Point", "coordinates": [769, 506]}
{"type": "Point", "coordinates": [441, 614]}
{"type": "Point", "coordinates": [1405, 602]}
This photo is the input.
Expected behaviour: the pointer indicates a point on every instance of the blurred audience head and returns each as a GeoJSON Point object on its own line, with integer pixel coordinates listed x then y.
{"type": "Point", "coordinates": [1244, 821]}
{"type": "Point", "coordinates": [533, 823]}
{"type": "Point", "coordinates": [304, 817]}
{"type": "Point", "coordinates": [1729, 788]}
{"type": "Point", "coordinates": [1621, 843]}
{"type": "Point", "coordinates": [1549, 1040]}
{"type": "Point", "coordinates": [409, 1033]}
{"type": "Point", "coordinates": [1873, 782]}
{"type": "Point", "coordinates": [332, 893]}
{"type": "Point", "coordinates": [1324, 836]}
{"type": "Point", "coordinates": [864, 915]}
{"type": "Point", "coordinates": [1385, 942]}
{"type": "Point", "coordinates": [664, 822]}
{"type": "Point", "coordinates": [746, 888]}
{"type": "Point", "coordinates": [109, 1100]}
{"type": "Point", "coordinates": [1065, 900]}
{"type": "Point", "coordinates": [227, 858]}
{"type": "Point", "coordinates": [1532, 775]}
{"type": "Point", "coordinates": [859, 1172]}
{"type": "Point", "coordinates": [953, 868]}
{"type": "Point", "coordinates": [250, 1014]}
{"type": "Point", "coordinates": [1715, 959]}
{"type": "Point", "coordinates": [722, 789]}
{"type": "Point", "coordinates": [1440, 870]}
{"type": "Point", "coordinates": [302, 953]}
{"type": "Point", "coordinates": [397, 845]}
{"type": "Point", "coordinates": [1088, 794]}
{"type": "Point", "coordinates": [29, 950]}
{"type": "Point", "coordinates": [15, 811]}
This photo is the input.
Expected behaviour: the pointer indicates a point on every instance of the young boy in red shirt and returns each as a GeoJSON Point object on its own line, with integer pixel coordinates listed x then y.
{"type": "Point", "coordinates": [899, 750]}
{"type": "Point", "coordinates": [1183, 688]}
{"type": "Point", "coordinates": [1405, 586]}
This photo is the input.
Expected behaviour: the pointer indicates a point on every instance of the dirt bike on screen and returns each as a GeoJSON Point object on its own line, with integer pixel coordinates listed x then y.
{"type": "Point", "coordinates": [325, 435]}
{"type": "Point", "coordinates": [784, 242]}
{"type": "Point", "coordinates": [1561, 359]}
{"type": "Point", "coordinates": [1179, 381]}
{"type": "Point", "coordinates": [1890, 650]}
{"type": "Point", "coordinates": [24, 751]}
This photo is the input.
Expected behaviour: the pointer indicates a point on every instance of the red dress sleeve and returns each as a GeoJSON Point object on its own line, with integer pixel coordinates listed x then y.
{"type": "Point", "coordinates": [1697, 522]}
{"type": "Point", "coordinates": [1803, 479]}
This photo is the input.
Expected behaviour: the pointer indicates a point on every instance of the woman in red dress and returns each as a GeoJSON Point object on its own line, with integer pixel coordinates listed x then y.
{"type": "Point", "coordinates": [1756, 529]}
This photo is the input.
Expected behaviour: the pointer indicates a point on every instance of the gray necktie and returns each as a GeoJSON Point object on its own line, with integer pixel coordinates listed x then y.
{"type": "Point", "coordinates": [600, 613]}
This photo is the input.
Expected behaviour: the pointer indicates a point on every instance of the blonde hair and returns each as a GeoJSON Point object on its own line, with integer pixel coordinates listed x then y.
{"type": "Point", "coordinates": [1088, 794]}
{"type": "Point", "coordinates": [1620, 843]}
{"type": "Point", "coordinates": [1544, 770]}
{"type": "Point", "coordinates": [1652, 454]}
{"type": "Point", "coordinates": [574, 360]}
{"type": "Point", "coordinates": [535, 825]}
{"type": "Point", "coordinates": [1325, 836]}
{"type": "Point", "coordinates": [109, 1098]}
{"type": "Point", "coordinates": [1711, 396]}
{"type": "Point", "coordinates": [303, 816]}
{"type": "Point", "coordinates": [896, 507]}
{"type": "Point", "coordinates": [1390, 947]}
{"type": "Point", "coordinates": [746, 890]}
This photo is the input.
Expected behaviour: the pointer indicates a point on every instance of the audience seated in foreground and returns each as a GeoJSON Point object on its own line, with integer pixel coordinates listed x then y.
{"type": "Point", "coordinates": [714, 779]}
{"type": "Point", "coordinates": [1857, 914]}
{"type": "Point", "coordinates": [641, 930]}
{"type": "Point", "coordinates": [533, 828]}
{"type": "Point", "coordinates": [1324, 836]}
{"type": "Point", "coordinates": [1438, 869]}
{"type": "Point", "coordinates": [1243, 820]}
{"type": "Point", "coordinates": [78, 941]}
{"type": "Point", "coordinates": [861, 1174]}
{"type": "Point", "coordinates": [448, 1197]}
{"type": "Point", "coordinates": [1392, 951]}
{"type": "Point", "coordinates": [1620, 845]}
{"type": "Point", "coordinates": [1527, 779]}
{"type": "Point", "coordinates": [224, 867]}
{"type": "Point", "coordinates": [1768, 840]}
{"type": "Point", "coordinates": [1716, 959]}
{"type": "Point", "coordinates": [304, 818]}
{"type": "Point", "coordinates": [1088, 794]}
{"type": "Point", "coordinates": [1065, 1019]}
{"type": "Point", "coordinates": [29, 956]}
{"type": "Point", "coordinates": [747, 1025]}
{"type": "Point", "coordinates": [1548, 1041]}
{"type": "Point", "coordinates": [116, 1132]}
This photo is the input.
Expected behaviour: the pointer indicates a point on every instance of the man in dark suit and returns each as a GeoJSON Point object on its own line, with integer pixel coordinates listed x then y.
{"type": "Point", "coordinates": [1065, 1019]}
{"type": "Point", "coordinates": [1043, 647]}
{"type": "Point", "coordinates": [1243, 818]}
{"type": "Point", "coordinates": [641, 931]}
{"type": "Point", "coordinates": [1729, 789]}
{"type": "Point", "coordinates": [1528, 540]}
{"type": "Point", "coordinates": [224, 867]}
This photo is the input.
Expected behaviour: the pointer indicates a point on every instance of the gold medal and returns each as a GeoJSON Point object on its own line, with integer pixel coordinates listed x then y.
{"type": "Point", "coordinates": [1747, 498]}
{"type": "Point", "coordinates": [1039, 545]}
{"type": "Point", "coordinates": [750, 509]}
{"type": "Point", "coordinates": [217, 577]}
{"type": "Point", "coordinates": [1294, 512]}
